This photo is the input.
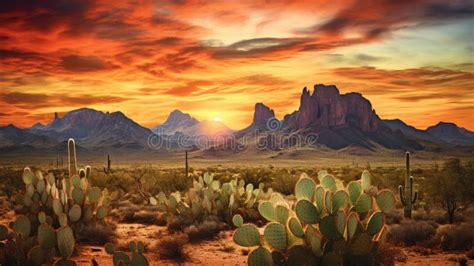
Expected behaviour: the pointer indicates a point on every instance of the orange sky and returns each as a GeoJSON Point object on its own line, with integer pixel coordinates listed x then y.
{"type": "Point", "coordinates": [412, 59]}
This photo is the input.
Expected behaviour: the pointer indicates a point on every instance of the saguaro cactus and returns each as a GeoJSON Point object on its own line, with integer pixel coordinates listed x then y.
{"type": "Point", "coordinates": [108, 170]}
{"type": "Point", "coordinates": [408, 195]}
{"type": "Point", "coordinates": [186, 163]}
{"type": "Point", "coordinates": [71, 145]}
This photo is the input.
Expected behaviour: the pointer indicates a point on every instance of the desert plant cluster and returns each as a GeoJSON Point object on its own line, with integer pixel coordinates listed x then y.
{"type": "Point", "coordinates": [51, 213]}
{"type": "Point", "coordinates": [267, 215]}
{"type": "Point", "coordinates": [328, 224]}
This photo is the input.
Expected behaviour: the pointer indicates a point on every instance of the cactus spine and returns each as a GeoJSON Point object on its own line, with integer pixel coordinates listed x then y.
{"type": "Point", "coordinates": [186, 163]}
{"type": "Point", "coordinates": [408, 195]}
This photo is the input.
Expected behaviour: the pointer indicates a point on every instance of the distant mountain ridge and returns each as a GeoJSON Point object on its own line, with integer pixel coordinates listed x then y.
{"type": "Point", "coordinates": [92, 128]}
{"type": "Point", "coordinates": [182, 123]}
{"type": "Point", "coordinates": [451, 133]}
{"type": "Point", "coordinates": [338, 120]}
{"type": "Point", "coordinates": [177, 121]}
{"type": "Point", "coordinates": [341, 121]}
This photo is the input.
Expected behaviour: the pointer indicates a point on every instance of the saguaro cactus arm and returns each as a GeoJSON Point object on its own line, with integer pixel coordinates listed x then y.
{"type": "Point", "coordinates": [402, 194]}
{"type": "Point", "coordinates": [408, 195]}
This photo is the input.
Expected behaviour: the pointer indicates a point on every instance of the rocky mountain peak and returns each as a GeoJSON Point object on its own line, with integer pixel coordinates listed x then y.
{"type": "Point", "coordinates": [262, 114]}
{"type": "Point", "coordinates": [177, 121]}
{"type": "Point", "coordinates": [327, 108]}
{"type": "Point", "coordinates": [177, 116]}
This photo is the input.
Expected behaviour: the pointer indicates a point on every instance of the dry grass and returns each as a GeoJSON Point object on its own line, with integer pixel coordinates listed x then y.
{"type": "Point", "coordinates": [456, 237]}
{"type": "Point", "coordinates": [470, 253]}
{"type": "Point", "coordinates": [172, 247]}
{"type": "Point", "coordinates": [388, 255]}
{"type": "Point", "coordinates": [410, 233]}
{"type": "Point", "coordinates": [95, 234]}
{"type": "Point", "coordinates": [208, 229]}
{"type": "Point", "coordinates": [460, 259]}
{"type": "Point", "coordinates": [226, 247]}
{"type": "Point", "coordinates": [128, 212]}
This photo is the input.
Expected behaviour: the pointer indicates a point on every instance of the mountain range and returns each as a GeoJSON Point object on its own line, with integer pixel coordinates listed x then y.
{"type": "Point", "coordinates": [337, 121]}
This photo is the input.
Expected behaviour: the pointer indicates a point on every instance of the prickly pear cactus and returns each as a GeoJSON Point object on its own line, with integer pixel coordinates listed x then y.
{"type": "Point", "coordinates": [329, 224]}
{"type": "Point", "coordinates": [136, 257]}
{"type": "Point", "coordinates": [211, 198]}
{"type": "Point", "coordinates": [50, 209]}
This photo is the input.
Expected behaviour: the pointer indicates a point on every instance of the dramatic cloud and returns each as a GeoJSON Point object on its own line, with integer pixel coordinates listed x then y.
{"type": "Point", "coordinates": [77, 63]}
{"type": "Point", "coordinates": [223, 56]}
{"type": "Point", "coordinates": [38, 100]}
{"type": "Point", "coordinates": [430, 93]}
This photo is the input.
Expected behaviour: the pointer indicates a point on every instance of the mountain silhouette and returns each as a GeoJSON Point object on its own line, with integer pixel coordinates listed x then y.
{"type": "Point", "coordinates": [340, 121]}
{"type": "Point", "coordinates": [95, 129]}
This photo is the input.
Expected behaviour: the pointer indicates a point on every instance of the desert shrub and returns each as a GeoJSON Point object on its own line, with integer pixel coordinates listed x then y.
{"type": "Point", "coordinates": [284, 183]}
{"type": "Point", "coordinates": [226, 247]}
{"type": "Point", "coordinates": [456, 237]}
{"type": "Point", "coordinates": [389, 255]}
{"type": "Point", "coordinates": [127, 212]}
{"type": "Point", "coordinates": [470, 253]}
{"type": "Point", "coordinates": [256, 176]}
{"type": "Point", "coordinates": [95, 234]}
{"type": "Point", "coordinates": [172, 247]}
{"type": "Point", "coordinates": [9, 181]}
{"type": "Point", "coordinates": [167, 181]}
{"type": "Point", "coordinates": [437, 216]}
{"type": "Point", "coordinates": [460, 259]}
{"type": "Point", "coordinates": [394, 217]}
{"type": "Point", "coordinates": [174, 224]}
{"type": "Point", "coordinates": [410, 233]}
{"type": "Point", "coordinates": [452, 187]}
{"type": "Point", "coordinates": [161, 219]}
{"type": "Point", "coordinates": [208, 229]}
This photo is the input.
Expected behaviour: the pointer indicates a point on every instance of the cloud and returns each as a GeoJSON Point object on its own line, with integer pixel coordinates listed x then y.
{"type": "Point", "coordinates": [367, 58]}
{"type": "Point", "coordinates": [42, 100]}
{"type": "Point", "coordinates": [414, 77]}
{"type": "Point", "coordinates": [257, 47]}
{"type": "Point", "coordinates": [374, 19]}
{"type": "Point", "coordinates": [413, 84]}
{"type": "Point", "coordinates": [188, 89]}
{"type": "Point", "coordinates": [76, 63]}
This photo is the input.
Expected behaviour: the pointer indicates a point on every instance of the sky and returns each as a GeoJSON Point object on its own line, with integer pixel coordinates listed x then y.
{"type": "Point", "coordinates": [414, 60]}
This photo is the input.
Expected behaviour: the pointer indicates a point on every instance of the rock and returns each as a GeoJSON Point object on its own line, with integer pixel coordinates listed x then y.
{"type": "Point", "coordinates": [262, 114]}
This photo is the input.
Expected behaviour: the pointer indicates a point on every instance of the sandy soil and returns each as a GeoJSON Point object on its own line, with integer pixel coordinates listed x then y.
{"type": "Point", "coordinates": [214, 252]}
{"type": "Point", "coordinates": [221, 251]}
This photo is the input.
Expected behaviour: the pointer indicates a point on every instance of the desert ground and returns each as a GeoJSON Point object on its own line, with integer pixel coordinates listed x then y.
{"type": "Point", "coordinates": [131, 218]}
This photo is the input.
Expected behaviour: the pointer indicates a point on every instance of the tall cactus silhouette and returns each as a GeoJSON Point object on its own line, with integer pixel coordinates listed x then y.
{"type": "Point", "coordinates": [186, 163]}
{"type": "Point", "coordinates": [71, 146]}
{"type": "Point", "coordinates": [108, 170]}
{"type": "Point", "coordinates": [408, 195]}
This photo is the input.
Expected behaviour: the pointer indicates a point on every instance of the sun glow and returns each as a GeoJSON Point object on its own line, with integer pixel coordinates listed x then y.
{"type": "Point", "coordinates": [217, 119]}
